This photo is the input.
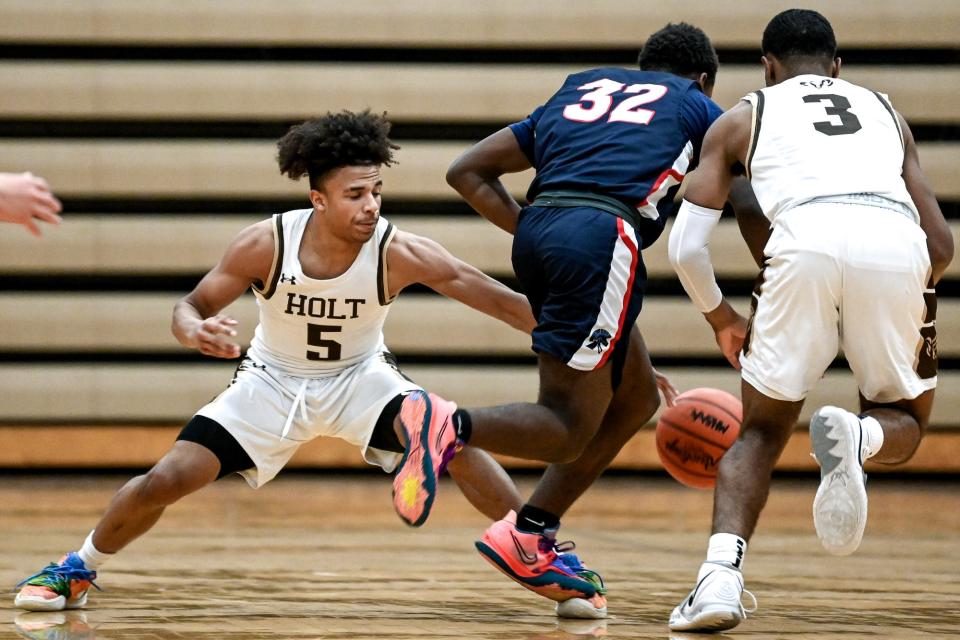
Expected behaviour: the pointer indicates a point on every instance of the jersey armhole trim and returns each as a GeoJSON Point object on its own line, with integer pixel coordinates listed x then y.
{"type": "Point", "coordinates": [274, 276]}
{"type": "Point", "coordinates": [896, 120]}
{"type": "Point", "coordinates": [382, 288]}
{"type": "Point", "coordinates": [757, 104]}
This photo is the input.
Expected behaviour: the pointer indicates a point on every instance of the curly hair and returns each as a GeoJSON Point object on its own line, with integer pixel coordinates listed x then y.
{"type": "Point", "coordinates": [681, 49]}
{"type": "Point", "coordinates": [799, 33]}
{"type": "Point", "coordinates": [335, 140]}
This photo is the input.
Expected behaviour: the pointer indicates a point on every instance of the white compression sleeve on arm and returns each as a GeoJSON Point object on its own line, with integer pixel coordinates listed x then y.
{"type": "Point", "coordinates": [690, 254]}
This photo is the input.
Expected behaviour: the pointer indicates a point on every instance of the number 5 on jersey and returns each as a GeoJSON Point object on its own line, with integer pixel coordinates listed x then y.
{"type": "Point", "coordinates": [601, 100]}
{"type": "Point", "coordinates": [315, 339]}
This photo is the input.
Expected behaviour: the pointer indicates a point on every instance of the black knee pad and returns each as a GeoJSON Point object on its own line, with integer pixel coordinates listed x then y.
{"type": "Point", "coordinates": [210, 434]}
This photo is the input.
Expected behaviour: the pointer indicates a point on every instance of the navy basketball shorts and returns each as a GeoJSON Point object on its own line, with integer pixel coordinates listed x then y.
{"type": "Point", "coordinates": [582, 271]}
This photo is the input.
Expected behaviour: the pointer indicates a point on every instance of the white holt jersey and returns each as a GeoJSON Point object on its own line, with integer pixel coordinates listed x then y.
{"type": "Point", "coordinates": [815, 137]}
{"type": "Point", "coordinates": [316, 328]}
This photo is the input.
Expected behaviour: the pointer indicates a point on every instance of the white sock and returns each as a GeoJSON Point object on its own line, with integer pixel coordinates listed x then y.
{"type": "Point", "coordinates": [725, 548]}
{"type": "Point", "coordinates": [92, 558]}
{"type": "Point", "coordinates": [872, 437]}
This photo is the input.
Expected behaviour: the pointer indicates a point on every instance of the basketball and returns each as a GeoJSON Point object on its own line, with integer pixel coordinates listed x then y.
{"type": "Point", "coordinates": [694, 434]}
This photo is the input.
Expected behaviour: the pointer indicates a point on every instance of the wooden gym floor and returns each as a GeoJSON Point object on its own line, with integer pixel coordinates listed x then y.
{"type": "Point", "coordinates": [324, 556]}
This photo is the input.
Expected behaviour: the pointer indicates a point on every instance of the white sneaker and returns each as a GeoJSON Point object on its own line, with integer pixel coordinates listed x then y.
{"type": "Point", "coordinates": [714, 604]}
{"type": "Point", "coordinates": [580, 608]}
{"type": "Point", "coordinates": [840, 508]}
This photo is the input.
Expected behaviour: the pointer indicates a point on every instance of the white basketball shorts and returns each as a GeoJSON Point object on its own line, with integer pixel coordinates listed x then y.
{"type": "Point", "coordinates": [271, 413]}
{"type": "Point", "coordinates": [845, 276]}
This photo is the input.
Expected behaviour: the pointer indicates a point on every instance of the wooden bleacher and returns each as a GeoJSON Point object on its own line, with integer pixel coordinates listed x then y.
{"type": "Point", "coordinates": [76, 405]}
{"type": "Point", "coordinates": [416, 91]}
{"type": "Point", "coordinates": [493, 23]}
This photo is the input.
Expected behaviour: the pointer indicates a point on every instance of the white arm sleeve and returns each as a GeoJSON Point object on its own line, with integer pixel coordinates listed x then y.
{"type": "Point", "coordinates": [690, 254]}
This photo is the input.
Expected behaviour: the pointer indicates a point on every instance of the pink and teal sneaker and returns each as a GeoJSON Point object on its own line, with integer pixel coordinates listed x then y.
{"type": "Point", "coordinates": [431, 442]}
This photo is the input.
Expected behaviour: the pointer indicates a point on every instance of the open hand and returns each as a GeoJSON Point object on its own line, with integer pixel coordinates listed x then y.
{"type": "Point", "coordinates": [215, 337]}
{"type": "Point", "coordinates": [26, 199]}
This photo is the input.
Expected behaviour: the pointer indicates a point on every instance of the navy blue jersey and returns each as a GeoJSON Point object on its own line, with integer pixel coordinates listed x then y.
{"type": "Point", "coordinates": [623, 133]}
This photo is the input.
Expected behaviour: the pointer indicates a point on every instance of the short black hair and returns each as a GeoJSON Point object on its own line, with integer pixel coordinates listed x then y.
{"type": "Point", "coordinates": [682, 49]}
{"type": "Point", "coordinates": [799, 33]}
{"type": "Point", "coordinates": [335, 140]}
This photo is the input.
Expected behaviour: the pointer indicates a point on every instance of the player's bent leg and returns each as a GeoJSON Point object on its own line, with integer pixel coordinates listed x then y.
{"type": "Point", "coordinates": [133, 511]}
{"type": "Point", "coordinates": [744, 472]}
{"type": "Point", "coordinates": [904, 423]}
{"type": "Point", "coordinates": [842, 441]}
{"type": "Point", "coordinates": [562, 485]}
{"type": "Point", "coordinates": [634, 402]}
{"type": "Point", "coordinates": [186, 468]}
{"type": "Point", "coordinates": [558, 427]}
{"type": "Point", "coordinates": [484, 483]}
{"type": "Point", "coordinates": [743, 484]}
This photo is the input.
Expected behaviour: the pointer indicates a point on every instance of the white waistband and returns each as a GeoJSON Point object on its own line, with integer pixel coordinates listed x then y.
{"type": "Point", "coordinates": [869, 200]}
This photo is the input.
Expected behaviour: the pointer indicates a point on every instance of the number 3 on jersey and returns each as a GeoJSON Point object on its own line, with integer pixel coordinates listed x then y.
{"type": "Point", "coordinates": [839, 107]}
{"type": "Point", "coordinates": [601, 100]}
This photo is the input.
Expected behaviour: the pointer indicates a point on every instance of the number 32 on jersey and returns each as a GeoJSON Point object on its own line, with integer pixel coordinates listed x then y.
{"type": "Point", "coordinates": [600, 101]}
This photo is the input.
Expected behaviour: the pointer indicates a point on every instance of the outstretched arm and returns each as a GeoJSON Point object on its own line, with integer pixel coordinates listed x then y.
{"type": "Point", "coordinates": [476, 176]}
{"type": "Point", "coordinates": [412, 258]}
{"type": "Point", "coordinates": [939, 238]}
{"type": "Point", "coordinates": [197, 322]}
{"type": "Point", "coordinates": [723, 147]}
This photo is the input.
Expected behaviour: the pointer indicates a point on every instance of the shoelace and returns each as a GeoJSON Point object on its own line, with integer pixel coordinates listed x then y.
{"type": "Point", "coordinates": [57, 578]}
{"type": "Point", "coordinates": [448, 455]}
{"type": "Point", "coordinates": [753, 608]}
{"type": "Point", "coordinates": [570, 561]}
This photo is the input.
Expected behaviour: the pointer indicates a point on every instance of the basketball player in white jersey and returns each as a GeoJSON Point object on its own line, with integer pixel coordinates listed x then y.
{"type": "Point", "coordinates": [857, 241]}
{"type": "Point", "coordinates": [324, 278]}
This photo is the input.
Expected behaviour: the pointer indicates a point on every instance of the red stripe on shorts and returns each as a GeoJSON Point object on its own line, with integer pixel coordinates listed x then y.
{"type": "Point", "coordinates": [626, 296]}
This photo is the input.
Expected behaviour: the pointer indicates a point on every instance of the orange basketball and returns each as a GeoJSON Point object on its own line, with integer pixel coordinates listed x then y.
{"type": "Point", "coordinates": [694, 434]}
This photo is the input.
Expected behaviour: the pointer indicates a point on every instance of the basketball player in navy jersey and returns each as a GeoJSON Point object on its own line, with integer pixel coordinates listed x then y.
{"type": "Point", "coordinates": [324, 278]}
{"type": "Point", "coordinates": [610, 149]}
{"type": "Point", "coordinates": [857, 241]}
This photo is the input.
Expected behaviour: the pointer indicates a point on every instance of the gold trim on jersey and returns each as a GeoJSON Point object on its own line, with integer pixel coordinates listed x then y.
{"type": "Point", "coordinates": [382, 283]}
{"type": "Point", "coordinates": [756, 102]}
{"type": "Point", "coordinates": [896, 121]}
{"type": "Point", "coordinates": [274, 276]}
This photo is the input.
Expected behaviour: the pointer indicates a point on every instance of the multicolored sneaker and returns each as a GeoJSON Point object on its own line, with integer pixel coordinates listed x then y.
{"type": "Point", "coordinates": [55, 625]}
{"type": "Point", "coordinates": [594, 608]}
{"type": "Point", "coordinates": [431, 442]}
{"type": "Point", "coordinates": [60, 585]}
{"type": "Point", "coordinates": [538, 563]}
{"type": "Point", "coordinates": [840, 507]}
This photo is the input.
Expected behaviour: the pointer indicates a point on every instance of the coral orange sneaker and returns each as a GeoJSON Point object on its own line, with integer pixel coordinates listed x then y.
{"type": "Point", "coordinates": [61, 585]}
{"type": "Point", "coordinates": [538, 563]}
{"type": "Point", "coordinates": [431, 442]}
